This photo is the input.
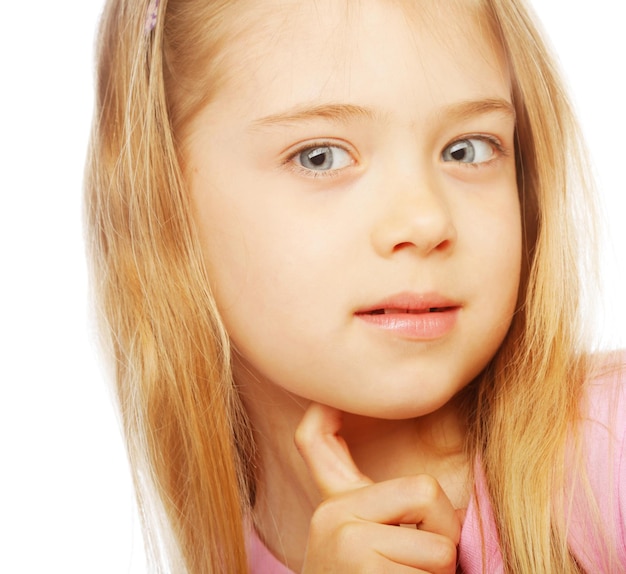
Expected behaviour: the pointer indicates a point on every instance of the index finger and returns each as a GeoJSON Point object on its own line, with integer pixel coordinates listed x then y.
{"type": "Point", "coordinates": [326, 453]}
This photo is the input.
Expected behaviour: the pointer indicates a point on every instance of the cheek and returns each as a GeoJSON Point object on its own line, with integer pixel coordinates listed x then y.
{"type": "Point", "coordinates": [504, 242]}
{"type": "Point", "coordinates": [492, 239]}
{"type": "Point", "coordinates": [263, 268]}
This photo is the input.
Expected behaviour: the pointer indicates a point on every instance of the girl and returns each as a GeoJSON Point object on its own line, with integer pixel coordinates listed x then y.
{"type": "Point", "coordinates": [352, 223]}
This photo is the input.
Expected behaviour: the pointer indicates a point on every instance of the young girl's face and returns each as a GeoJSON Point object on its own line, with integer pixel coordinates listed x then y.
{"type": "Point", "coordinates": [355, 191]}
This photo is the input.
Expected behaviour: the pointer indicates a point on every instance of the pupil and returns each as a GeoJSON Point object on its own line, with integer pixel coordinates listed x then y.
{"type": "Point", "coordinates": [318, 157]}
{"type": "Point", "coordinates": [459, 153]}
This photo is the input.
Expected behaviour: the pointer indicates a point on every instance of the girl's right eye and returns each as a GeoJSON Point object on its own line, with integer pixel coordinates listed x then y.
{"type": "Point", "coordinates": [321, 159]}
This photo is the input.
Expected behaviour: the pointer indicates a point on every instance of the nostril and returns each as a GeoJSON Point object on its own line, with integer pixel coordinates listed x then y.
{"type": "Point", "coordinates": [431, 246]}
{"type": "Point", "coordinates": [403, 245]}
{"type": "Point", "coordinates": [443, 244]}
{"type": "Point", "coordinates": [426, 227]}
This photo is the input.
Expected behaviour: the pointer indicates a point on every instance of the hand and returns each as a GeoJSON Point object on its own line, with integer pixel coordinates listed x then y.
{"type": "Point", "coordinates": [355, 528]}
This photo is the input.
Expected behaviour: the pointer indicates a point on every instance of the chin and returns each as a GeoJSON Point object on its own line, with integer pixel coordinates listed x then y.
{"type": "Point", "coordinates": [404, 407]}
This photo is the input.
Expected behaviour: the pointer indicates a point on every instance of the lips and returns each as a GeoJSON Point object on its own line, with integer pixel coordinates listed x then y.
{"type": "Point", "coordinates": [421, 317]}
{"type": "Point", "coordinates": [395, 311]}
{"type": "Point", "coordinates": [410, 303]}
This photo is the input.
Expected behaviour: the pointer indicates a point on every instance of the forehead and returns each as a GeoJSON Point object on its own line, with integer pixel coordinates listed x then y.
{"type": "Point", "coordinates": [367, 52]}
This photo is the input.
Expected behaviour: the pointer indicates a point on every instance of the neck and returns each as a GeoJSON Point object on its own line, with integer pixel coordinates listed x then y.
{"type": "Point", "coordinates": [286, 496]}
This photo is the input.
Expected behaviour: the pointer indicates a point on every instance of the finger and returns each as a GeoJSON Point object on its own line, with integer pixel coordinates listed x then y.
{"type": "Point", "coordinates": [418, 549]}
{"type": "Point", "coordinates": [418, 500]}
{"type": "Point", "coordinates": [358, 544]}
{"type": "Point", "coordinates": [326, 453]}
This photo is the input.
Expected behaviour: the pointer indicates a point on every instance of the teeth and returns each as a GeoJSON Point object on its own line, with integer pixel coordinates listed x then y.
{"type": "Point", "coordinates": [406, 311]}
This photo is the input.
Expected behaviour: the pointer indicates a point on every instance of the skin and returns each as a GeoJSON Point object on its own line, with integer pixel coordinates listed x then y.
{"type": "Point", "coordinates": [294, 252]}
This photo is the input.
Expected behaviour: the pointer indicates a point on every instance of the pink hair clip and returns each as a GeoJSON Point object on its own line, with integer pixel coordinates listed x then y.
{"type": "Point", "coordinates": [151, 16]}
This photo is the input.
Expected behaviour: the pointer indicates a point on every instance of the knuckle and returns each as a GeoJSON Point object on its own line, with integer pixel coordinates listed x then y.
{"type": "Point", "coordinates": [347, 536]}
{"type": "Point", "coordinates": [417, 491]}
{"type": "Point", "coordinates": [303, 438]}
{"type": "Point", "coordinates": [406, 492]}
{"type": "Point", "coordinates": [426, 487]}
{"type": "Point", "coordinates": [324, 516]}
{"type": "Point", "coordinates": [444, 553]}
{"type": "Point", "coordinates": [329, 523]}
{"type": "Point", "coordinates": [330, 515]}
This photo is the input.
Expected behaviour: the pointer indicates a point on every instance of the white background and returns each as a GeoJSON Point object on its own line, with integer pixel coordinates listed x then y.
{"type": "Point", "coordinates": [65, 499]}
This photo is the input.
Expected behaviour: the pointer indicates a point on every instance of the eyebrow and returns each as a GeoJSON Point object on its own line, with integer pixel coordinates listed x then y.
{"type": "Point", "coordinates": [343, 113]}
{"type": "Point", "coordinates": [472, 108]}
{"type": "Point", "coordinates": [346, 113]}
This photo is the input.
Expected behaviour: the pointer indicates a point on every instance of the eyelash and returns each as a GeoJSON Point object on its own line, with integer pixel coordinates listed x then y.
{"type": "Point", "coordinates": [290, 164]}
{"type": "Point", "coordinates": [500, 150]}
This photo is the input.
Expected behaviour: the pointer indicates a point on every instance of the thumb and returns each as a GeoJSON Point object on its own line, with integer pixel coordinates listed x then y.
{"type": "Point", "coordinates": [326, 453]}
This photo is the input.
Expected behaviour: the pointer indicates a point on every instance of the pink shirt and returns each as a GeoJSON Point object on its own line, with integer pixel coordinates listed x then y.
{"type": "Point", "coordinates": [605, 441]}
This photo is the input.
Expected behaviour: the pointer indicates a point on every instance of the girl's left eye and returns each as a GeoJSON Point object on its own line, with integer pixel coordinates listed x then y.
{"type": "Point", "coordinates": [321, 158]}
{"type": "Point", "coordinates": [470, 150]}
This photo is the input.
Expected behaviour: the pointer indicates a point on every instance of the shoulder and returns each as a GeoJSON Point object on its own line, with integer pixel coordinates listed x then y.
{"type": "Point", "coordinates": [607, 371]}
{"type": "Point", "coordinates": [260, 559]}
{"type": "Point", "coordinates": [598, 495]}
{"type": "Point", "coordinates": [603, 409]}
{"type": "Point", "coordinates": [602, 434]}
{"type": "Point", "coordinates": [603, 423]}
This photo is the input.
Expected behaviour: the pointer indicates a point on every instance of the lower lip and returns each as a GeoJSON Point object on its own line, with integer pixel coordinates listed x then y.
{"type": "Point", "coordinates": [415, 326]}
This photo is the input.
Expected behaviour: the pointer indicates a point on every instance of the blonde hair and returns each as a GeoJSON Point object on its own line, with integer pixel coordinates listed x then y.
{"type": "Point", "coordinates": [188, 438]}
{"type": "Point", "coordinates": [182, 417]}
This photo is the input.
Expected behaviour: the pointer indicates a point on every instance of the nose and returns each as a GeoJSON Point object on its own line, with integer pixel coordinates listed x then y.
{"type": "Point", "coordinates": [414, 216]}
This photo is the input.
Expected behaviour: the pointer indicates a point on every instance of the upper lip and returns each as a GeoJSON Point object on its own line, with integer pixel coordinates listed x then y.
{"type": "Point", "coordinates": [408, 302]}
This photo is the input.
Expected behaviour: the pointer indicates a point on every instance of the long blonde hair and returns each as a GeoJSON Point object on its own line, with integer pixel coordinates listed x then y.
{"type": "Point", "coordinates": [188, 439]}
